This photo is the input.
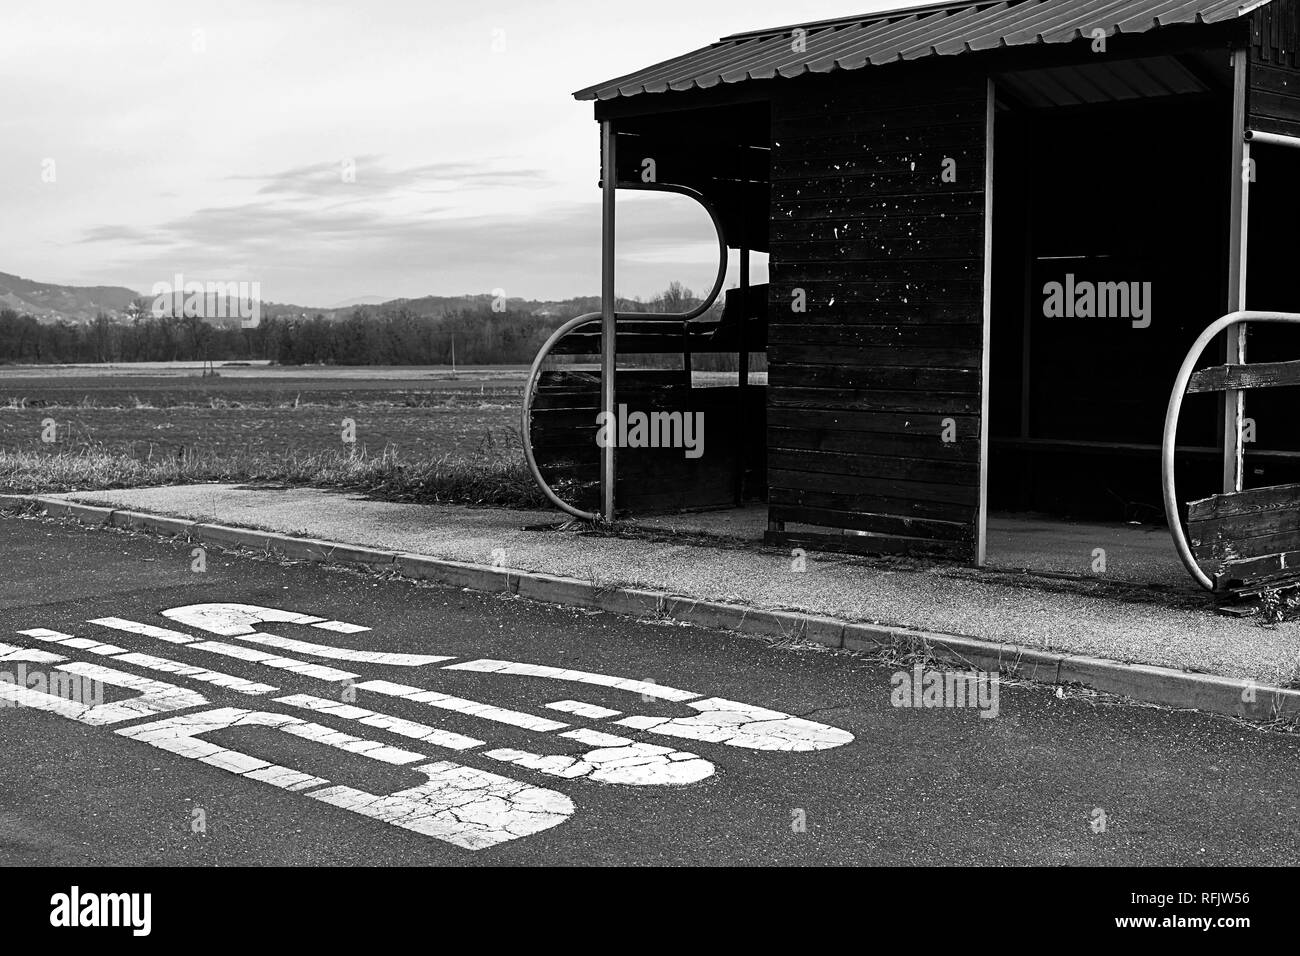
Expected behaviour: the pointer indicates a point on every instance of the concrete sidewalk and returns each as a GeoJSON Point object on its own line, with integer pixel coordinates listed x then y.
{"type": "Point", "coordinates": [1135, 554]}
{"type": "Point", "coordinates": [1174, 627]}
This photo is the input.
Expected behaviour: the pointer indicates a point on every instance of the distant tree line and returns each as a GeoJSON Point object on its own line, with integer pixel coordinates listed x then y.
{"type": "Point", "coordinates": [393, 336]}
{"type": "Point", "coordinates": [396, 337]}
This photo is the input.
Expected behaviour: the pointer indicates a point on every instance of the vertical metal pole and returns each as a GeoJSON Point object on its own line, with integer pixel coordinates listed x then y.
{"type": "Point", "coordinates": [1234, 405]}
{"type": "Point", "coordinates": [1024, 145]}
{"type": "Point", "coordinates": [742, 372]}
{"type": "Point", "coordinates": [744, 325]}
{"type": "Point", "coordinates": [608, 321]}
{"type": "Point", "coordinates": [982, 518]}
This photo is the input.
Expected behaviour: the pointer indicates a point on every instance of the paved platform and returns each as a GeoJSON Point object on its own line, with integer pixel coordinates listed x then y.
{"type": "Point", "coordinates": [1134, 553]}
{"type": "Point", "coordinates": [1167, 621]}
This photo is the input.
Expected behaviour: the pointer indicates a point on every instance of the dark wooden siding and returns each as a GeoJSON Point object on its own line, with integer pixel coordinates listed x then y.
{"type": "Point", "coordinates": [1248, 541]}
{"type": "Point", "coordinates": [1273, 97]}
{"type": "Point", "coordinates": [891, 261]}
{"type": "Point", "coordinates": [649, 479]}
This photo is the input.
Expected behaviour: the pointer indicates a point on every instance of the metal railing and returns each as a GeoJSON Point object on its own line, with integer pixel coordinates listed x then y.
{"type": "Point", "coordinates": [534, 373]}
{"type": "Point", "coordinates": [1168, 445]}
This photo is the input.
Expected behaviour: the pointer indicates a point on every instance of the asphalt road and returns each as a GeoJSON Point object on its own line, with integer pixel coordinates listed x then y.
{"type": "Point", "coordinates": [928, 785]}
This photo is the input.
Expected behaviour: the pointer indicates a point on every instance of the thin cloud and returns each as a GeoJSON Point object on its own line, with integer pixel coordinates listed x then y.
{"type": "Point", "coordinates": [422, 253]}
{"type": "Point", "coordinates": [369, 176]}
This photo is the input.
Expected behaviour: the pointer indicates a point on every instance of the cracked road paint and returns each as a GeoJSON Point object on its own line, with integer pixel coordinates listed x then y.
{"type": "Point", "coordinates": [460, 705]}
{"type": "Point", "coordinates": [614, 759]}
{"type": "Point", "coordinates": [743, 725]}
{"type": "Point", "coordinates": [396, 725]}
{"type": "Point", "coordinates": [719, 721]}
{"type": "Point", "coordinates": [459, 805]}
{"type": "Point", "coordinates": [154, 697]}
{"type": "Point", "coordinates": [232, 620]}
{"type": "Point", "coordinates": [590, 711]}
{"type": "Point", "coordinates": [150, 662]}
{"type": "Point", "coordinates": [462, 805]}
{"type": "Point", "coordinates": [645, 688]}
{"type": "Point", "coordinates": [11, 654]}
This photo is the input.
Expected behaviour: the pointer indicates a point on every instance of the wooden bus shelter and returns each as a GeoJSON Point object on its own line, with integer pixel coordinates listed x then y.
{"type": "Point", "coordinates": [996, 234]}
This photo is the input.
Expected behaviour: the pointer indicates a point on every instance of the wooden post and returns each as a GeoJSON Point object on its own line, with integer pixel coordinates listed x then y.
{"type": "Point", "coordinates": [981, 521]}
{"type": "Point", "coordinates": [1234, 406]}
{"type": "Point", "coordinates": [608, 320]}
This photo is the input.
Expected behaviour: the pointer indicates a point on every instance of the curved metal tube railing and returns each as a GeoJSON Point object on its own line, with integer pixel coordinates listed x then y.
{"type": "Point", "coordinates": [534, 373]}
{"type": "Point", "coordinates": [1168, 447]}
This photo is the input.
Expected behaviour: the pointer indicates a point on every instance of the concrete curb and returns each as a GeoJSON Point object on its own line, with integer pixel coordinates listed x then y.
{"type": "Point", "coordinates": [1159, 685]}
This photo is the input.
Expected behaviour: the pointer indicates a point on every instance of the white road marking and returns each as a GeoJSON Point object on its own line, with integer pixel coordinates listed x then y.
{"type": "Point", "coordinates": [80, 643]}
{"type": "Point", "coordinates": [590, 711]}
{"type": "Point", "coordinates": [343, 627]}
{"type": "Point", "coordinates": [459, 805]}
{"type": "Point", "coordinates": [344, 653]}
{"type": "Point", "coordinates": [155, 697]}
{"type": "Point", "coordinates": [180, 735]}
{"type": "Point", "coordinates": [233, 620]}
{"type": "Point", "coordinates": [238, 620]}
{"type": "Point", "coordinates": [149, 662]}
{"type": "Point", "coordinates": [720, 721]}
{"type": "Point", "coordinates": [317, 671]}
{"type": "Point", "coordinates": [358, 745]}
{"type": "Point", "coordinates": [396, 725]}
{"type": "Point", "coordinates": [216, 678]}
{"type": "Point", "coordinates": [743, 725]}
{"type": "Point", "coordinates": [462, 706]}
{"type": "Point", "coordinates": [28, 655]}
{"type": "Point", "coordinates": [146, 630]}
{"type": "Point", "coordinates": [595, 738]}
{"type": "Point", "coordinates": [582, 677]}
{"type": "Point", "coordinates": [615, 760]}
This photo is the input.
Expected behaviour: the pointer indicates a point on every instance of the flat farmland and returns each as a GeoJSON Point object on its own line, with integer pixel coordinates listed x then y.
{"type": "Point", "coordinates": [146, 432]}
{"type": "Point", "coordinates": [416, 413]}
{"type": "Point", "coordinates": [420, 434]}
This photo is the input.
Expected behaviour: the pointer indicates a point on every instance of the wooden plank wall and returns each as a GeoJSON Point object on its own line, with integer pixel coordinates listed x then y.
{"type": "Point", "coordinates": [1273, 95]}
{"type": "Point", "coordinates": [1248, 540]}
{"type": "Point", "coordinates": [890, 258]}
{"type": "Point", "coordinates": [650, 480]}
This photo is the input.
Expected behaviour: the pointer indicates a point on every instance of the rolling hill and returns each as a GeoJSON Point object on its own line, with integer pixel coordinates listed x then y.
{"type": "Point", "coordinates": [49, 302]}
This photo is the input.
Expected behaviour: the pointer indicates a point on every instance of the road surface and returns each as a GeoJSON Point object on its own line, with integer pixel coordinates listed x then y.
{"type": "Point", "coordinates": [179, 707]}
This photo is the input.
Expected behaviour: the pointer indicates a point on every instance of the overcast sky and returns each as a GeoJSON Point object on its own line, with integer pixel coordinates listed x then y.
{"type": "Point", "coordinates": [144, 139]}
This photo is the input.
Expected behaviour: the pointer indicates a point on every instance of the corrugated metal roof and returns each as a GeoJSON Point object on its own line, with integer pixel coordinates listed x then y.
{"type": "Point", "coordinates": [942, 29]}
{"type": "Point", "coordinates": [1101, 82]}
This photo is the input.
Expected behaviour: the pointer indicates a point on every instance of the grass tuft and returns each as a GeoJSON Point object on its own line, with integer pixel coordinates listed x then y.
{"type": "Point", "coordinates": [497, 475]}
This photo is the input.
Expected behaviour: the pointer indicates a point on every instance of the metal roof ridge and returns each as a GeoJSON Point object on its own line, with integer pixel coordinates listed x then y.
{"type": "Point", "coordinates": [873, 17]}
{"type": "Point", "coordinates": [953, 27]}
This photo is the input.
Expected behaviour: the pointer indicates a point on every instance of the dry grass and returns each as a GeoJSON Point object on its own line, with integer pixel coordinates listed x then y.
{"type": "Point", "coordinates": [495, 476]}
{"type": "Point", "coordinates": [420, 436]}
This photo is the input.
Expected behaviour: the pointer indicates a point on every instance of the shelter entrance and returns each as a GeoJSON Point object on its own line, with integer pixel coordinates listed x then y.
{"type": "Point", "coordinates": [1109, 244]}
